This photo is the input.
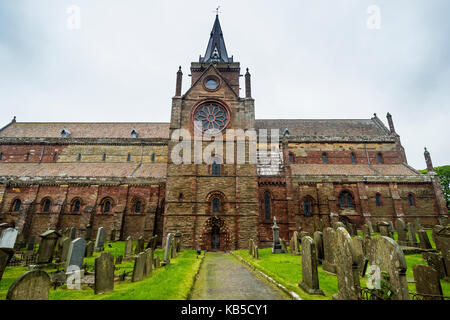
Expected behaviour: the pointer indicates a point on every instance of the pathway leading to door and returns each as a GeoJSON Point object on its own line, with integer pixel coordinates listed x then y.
{"type": "Point", "coordinates": [222, 277]}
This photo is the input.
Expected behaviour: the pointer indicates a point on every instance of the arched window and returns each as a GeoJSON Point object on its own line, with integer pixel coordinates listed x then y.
{"type": "Point", "coordinates": [291, 158]}
{"type": "Point", "coordinates": [307, 207]}
{"type": "Point", "coordinates": [215, 168]}
{"type": "Point", "coordinates": [267, 206]}
{"type": "Point", "coordinates": [79, 157]}
{"type": "Point", "coordinates": [324, 158]}
{"type": "Point", "coordinates": [106, 205]}
{"type": "Point", "coordinates": [380, 158]}
{"type": "Point", "coordinates": [153, 157]}
{"type": "Point", "coordinates": [411, 200]}
{"type": "Point", "coordinates": [180, 197]}
{"type": "Point", "coordinates": [378, 199]}
{"type": "Point", "coordinates": [216, 205]}
{"type": "Point", "coordinates": [138, 206]}
{"type": "Point", "coordinates": [46, 205]}
{"type": "Point", "coordinates": [104, 157]}
{"type": "Point", "coordinates": [345, 200]}
{"type": "Point", "coordinates": [129, 157]}
{"type": "Point", "coordinates": [76, 205]}
{"type": "Point", "coordinates": [353, 157]}
{"type": "Point", "coordinates": [16, 205]}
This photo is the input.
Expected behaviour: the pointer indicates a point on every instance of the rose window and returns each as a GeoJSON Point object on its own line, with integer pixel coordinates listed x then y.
{"type": "Point", "coordinates": [211, 117]}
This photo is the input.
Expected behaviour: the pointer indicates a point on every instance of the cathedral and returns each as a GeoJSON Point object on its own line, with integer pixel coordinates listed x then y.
{"type": "Point", "coordinates": [123, 177]}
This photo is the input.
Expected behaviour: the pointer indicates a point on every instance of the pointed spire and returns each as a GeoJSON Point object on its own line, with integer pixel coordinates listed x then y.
{"type": "Point", "coordinates": [216, 50]}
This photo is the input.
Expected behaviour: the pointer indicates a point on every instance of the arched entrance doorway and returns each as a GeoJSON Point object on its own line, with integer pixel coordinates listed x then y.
{"type": "Point", "coordinates": [215, 238]}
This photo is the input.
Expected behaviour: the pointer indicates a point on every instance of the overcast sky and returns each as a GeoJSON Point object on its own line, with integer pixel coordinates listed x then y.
{"type": "Point", "coordinates": [308, 59]}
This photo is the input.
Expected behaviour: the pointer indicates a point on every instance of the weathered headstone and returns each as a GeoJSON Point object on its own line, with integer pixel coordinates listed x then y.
{"type": "Point", "coordinates": [47, 246]}
{"type": "Point", "coordinates": [32, 285]}
{"type": "Point", "coordinates": [5, 256]}
{"type": "Point", "coordinates": [391, 227]}
{"type": "Point", "coordinates": [65, 245]}
{"type": "Point", "coordinates": [329, 241]}
{"type": "Point", "coordinates": [119, 259]}
{"type": "Point", "coordinates": [295, 250]}
{"type": "Point", "coordinates": [256, 254]}
{"type": "Point", "coordinates": [283, 246]}
{"type": "Point", "coordinates": [276, 247]}
{"type": "Point", "coordinates": [321, 225]}
{"type": "Point", "coordinates": [412, 238]}
{"type": "Point", "coordinates": [90, 249]}
{"type": "Point", "coordinates": [427, 282]}
{"type": "Point", "coordinates": [20, 242]}
{"type": "Point", "coordinates": [148, 262]}
{"type": "Point", "coordinates": [73, 233]}
{"type": "Point", "coordinates": [128, 248]}
{"type": "Point", "coordinates": [140, 245]}
{"type": "Point", "coordinates": [369, 224]}
{"type": "Point", "coordinates": [376, 227]}
{"type": "Point", "coordinates": [367, 235]}
{"type": "Point", "coordinates": [418, 225]}
{"type": "Point", "coordinates": [443, 244]}
{"type": "Point", "coordinates": [75, 256]}
{"type": "Point", "coordinates": [318, 242]}
{"type": "Point", "coordinates": [386, 254]}
{"type": "Point", "coordinates": [250, 247]}
{"type": "Point", "coordinates": [139, 267]}
{"type": "Point", "coordinates": [8, 238]}
{"type": "Point", "coordinates": [338, 224]}
{"type": "Point", "coordinates": [444, 221]}
{"type": "Point", "coordinates": [384, 229]}
{"type": "Point", "coordinates": [157, 263]}
{"type": "Point", "coordinates": [424, 241]}
{"type": "Point", "coordinates": [168, 248]}
{"type": "Point", "coordinates": [346, 267]}
{"type": "Point", "coordinates": [358, 247]}
{"type": "Point", "coordinates": [31, 242]}
{"type": "Point", "coordinates": [104, 273]}
{"type": "Point", "coordinates": [435, 261]}
{"type": "Point", "coordinates": [100, 240]}
{"type": "Point", "coordinates": [310, 275]}
{"type": "Point", "coordinates": [400, 226]}
{"type": "Point", "coordinates": [173, 250]}
{"type": "Point", "coordinates": [353, 229]}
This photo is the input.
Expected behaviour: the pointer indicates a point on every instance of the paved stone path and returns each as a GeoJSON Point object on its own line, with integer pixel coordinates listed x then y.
{"type": "Point", "coordinates": [222, 277]}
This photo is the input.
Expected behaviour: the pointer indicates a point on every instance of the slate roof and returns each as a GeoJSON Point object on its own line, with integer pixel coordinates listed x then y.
{"type": "Point", "coordinates": [216, 50]}
{"type": "Point", "coordinates": [85, 129]}
{"type": "Point", "coordinates": [352, 170]}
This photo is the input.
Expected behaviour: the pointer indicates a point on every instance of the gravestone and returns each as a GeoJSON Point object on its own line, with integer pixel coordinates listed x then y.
{"type": "Point", "coordinates": [64, 251]}
{"type": "Point", "coordinates": [20, 242]}
{"type": "Point", "coordinates": [5, 256]}
{"type": "Point", "coordinates": [88, 233]}
{"type": "Point", "coordinates": [427, 282]}
{"type": "Point", "coordinates": [173, 251]}
{"type": "Point", "coordinates": [157, 262]}
{"type": "Point", "coordinates": [412, 238]}
{"type": "Point", "coordinates": [369, 224]}
{"type": "Point", "coordinates": [310, 275]}
{"type": "Point", "coordinates": [338, 224]}
{"type": "Point", "coordinates": [424, 241]}
{"type": "Point", "coordinates": [32, 285]}
{"type": "Point", "coordinates": [73, 233]}
{"type": "Point", "coordinates": [100, 240]}
{"type": "Point", "coordinates": [178, 241]}
{"type": "Point", "coordinates": [400, 226]}
{"type": "Point", "coordinates": [113, 235]}
{"type": "Point", "coordinates": [301, 235]}
{"type": "Point", "coordinates": [250, 247]}
{"type": "Point", "coordinates": [358, 247]}
{"type": "Point", "coordinates": [276, 247]}
{"type": "Point", "coordinates": [384, 229]}
{"type": "Point", "coordinates": [443, 221]}
{"type": "Point", "coordinates": [47, 246]}
{"type": "Point", "coordinates": [329, 241]}
{"type": "Point", "coordinates": [31, 242]}
{"type": "Point", "coordinates": [367, 235]}
{"type": "Point", "coordinates": [256, 254]}
{"type": "Point", "coordinates": [435, 261]}
{"type": "Point", "coordinates": [295, 244]}
{"type": "Point", "coordinates": [119, 259]}
{"type": "Point", "coordinates": [376, 227]}
{"type": "Point", "coordinates": [139, 267]}
{"type": "Point", "coordinates": [346, 267]}
{"type": "Point", "coordinates": [90, 249]}
{"type": "Point", "coordinates": [148, 261]}
{"type": "Point", "coordinates": [353, 229]}
{"type": "Point", "coordinates": [75, 256]}
{"type": "Point", "coordinates": [385, 253]}
{"type": "Point", "coordinates": [391, 227]}
{"type": "Point", "coordinates": [168, 248]}
{"type": "Point", "coordinates": [104, 273]}
{"type": "Point", "coordinates": [8, 238]}
{"type": "Point", "coordinates": [318, 243]}
{"type": "Point", "coordinates": [418, 225]}
{"type": "Point", "coordinates": [152, 243]}
{"type": "Point", "coordinates": [443, 245]}
{"type": "Point", "coordinates": [321, 226]}
{"type": "Point", "coordinates": [128, 248]}
{"type": "Point", "coordinates": [140, 245]}
{"type": "Point", "coordinates": [283, 246]}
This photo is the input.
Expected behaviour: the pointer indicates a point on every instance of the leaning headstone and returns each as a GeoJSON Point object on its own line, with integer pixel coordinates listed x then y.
{"type": "Point", "coordinates": [139, 267]}
{"type": "Point", "coordinates": [412, 238]}
{"type": "Point", "coordinates": [400, 226]}
{"type": "Point", "coordinates": [276, 247]}
{"type": "Point", "coordinates": [310, 275]}
{"type": "Point", "coordinates": [329, 241]}
{"type": "Point", "coordinates": [47, 246]}
{"type": "Point", "coordinates": [424, 241]}
{"type": "Point", "coordinates": [173, 250]}
{"type": "Point", "coordinates": [5, 256]}
{"type": "Point", "coordinates": [104, 273]}
{"type": "Point", "coordinates": [168, 248]}
{"type": "Point", "coordinates": [128, 248]}
{"type": "Point", "coordinates": [73, 233]}
{"type": "Point", "coordinates": [148, 262]}
{"type": "Point", "coordinates": [20, 242]}
{"type": "Point", "coordinates": [140, 245]}
{"type": "Point", "coordinates": [346, 267]}
{"type": "Point", "coordinates": [90, 249]}
{"type": "Point", "coordinates": [358, 247]}
{"type": "Point", "coordinates": [100, 240]}
{"type": "Point", "coordinates": [435, 261]}
{"type": "Point", "coordinates": [32, 285]}
{"type": "Point", "coordinates": [76, 253]}
{"type": "Point", "coordinates": [318, 243]}
{"type": "Point", "coordinates": [386, 254]}
{"type": "Point", "coordinates": [250, 247]}
{"type": "Point", "coordinates": [8, 238]}
{"type": "Point", "coordinates": [427, 282]}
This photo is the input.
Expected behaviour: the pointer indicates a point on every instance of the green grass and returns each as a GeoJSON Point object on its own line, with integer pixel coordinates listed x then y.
{"type": "Point", "coordinates": [171, 282]}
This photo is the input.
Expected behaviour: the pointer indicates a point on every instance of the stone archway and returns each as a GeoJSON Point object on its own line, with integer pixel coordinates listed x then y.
{"type": "Point", "coordinates": [215, 235]}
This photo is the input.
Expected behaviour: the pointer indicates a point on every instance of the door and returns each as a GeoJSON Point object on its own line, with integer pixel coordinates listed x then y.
{"type": "Point", "coordinates": [215, 238]}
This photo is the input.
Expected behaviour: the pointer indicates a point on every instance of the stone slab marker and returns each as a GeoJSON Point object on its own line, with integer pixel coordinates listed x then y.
{"type": "Point", "coordinates": [424, 241]}
{"type": "Point", "coordinates": [32, 285]}
{"type": "Point", "coordinates": [443, 245]}
{"type": "Point", "coordinates": [5, 256]}
{"type": "Point", "coordinates": [276, 247]}
{"type": "Point", "coordinates": [100, 240]}
{"type": "Point", "coordinates": [427, 281]}
{"type": "Point", "coordinates": [385, 253]}
{"type": "Point", "coordinates": [384, 229]}
{"type": "Point", "coordinates": [283, 246]}
{"type": "Point", "coordinates": [148, 261]}
{"type": "Point", "coordinates": [167, 248]}
{"type": "Point", "coordinates": [104, 273]}
{"type": "Point", "coordinates": [128, 248]}
{"type": "Point", "coordinates": [346, 267]}
{"type": "Point", "coordinates": [47, 246]}
{"type": "Point", "coordinates": [329, 241]}
{"type": "Point", "coordinates": [76, 253]}
{"type": "Point", "coordinates": [400, 226]}
{"type": "Point", "coordinates": [412, 238]}
{"type": "Point", "coordinates": [157, 263]}
{"type": "Point", "coordinates": [140, 245]}
{"type": "Point", "coordinates": [295, 243]}
{"type": "Point", "coordinates": [310, 275]}
{"type": "Point", "coordinates": [8, 238]}
{"type": "Point", "coordinates": [435, 261]}
{"type": "Point", "coordinates": [358, 247]}
{"type": "Point", "coordinates": [65, 245]}
{"type": "Point", "coordinates": [139, 267]}
{"type": "Point", "coordinates": [318, 242]}
{"type": "Point", "coordinates": [369, 224]}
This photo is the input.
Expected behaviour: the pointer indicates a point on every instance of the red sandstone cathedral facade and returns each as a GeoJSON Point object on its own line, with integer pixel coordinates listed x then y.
{"type": "Point", "coordinates": [121, 175]}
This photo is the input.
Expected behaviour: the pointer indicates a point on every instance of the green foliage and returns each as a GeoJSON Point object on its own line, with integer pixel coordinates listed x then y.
{"type": "Point", "coordinates": [444, 175]}
{"type": "Point", "coordinates": [385, 291]}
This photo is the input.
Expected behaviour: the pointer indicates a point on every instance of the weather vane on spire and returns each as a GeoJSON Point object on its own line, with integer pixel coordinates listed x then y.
{"type": "Point", "coordinates": [217, 10]}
